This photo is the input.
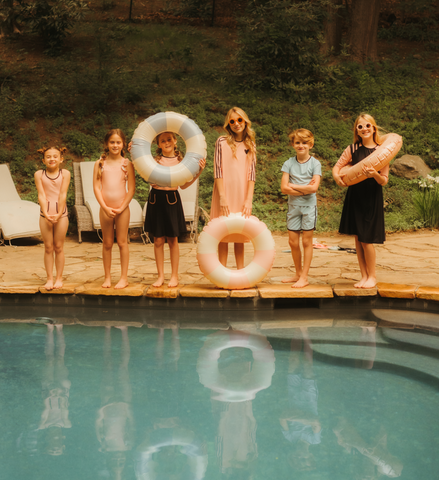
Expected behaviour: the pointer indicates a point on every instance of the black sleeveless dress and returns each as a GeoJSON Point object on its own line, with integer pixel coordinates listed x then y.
{"type": "Point", "coordinates": [363, 208]}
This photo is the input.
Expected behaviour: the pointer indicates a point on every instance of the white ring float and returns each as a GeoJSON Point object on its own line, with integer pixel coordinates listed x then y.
{"type": "Point", "coordinates": [143, 160]}
{"type": "Point", "coordinates": [383, 154]}
{"type": "Point", "coordinates": [221, 227]}
{"type": "Point", "coordinates": [195, 451]}
{"type": "Point", "coordinates": [259, 378]}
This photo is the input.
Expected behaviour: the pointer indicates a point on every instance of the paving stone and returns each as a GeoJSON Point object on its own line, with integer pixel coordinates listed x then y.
{"type": "Point", "coordinates": [286, 291]}
{"type": "Point", "coordinates": [354, 323]}
{"type": "Point", "coordinates": [163, 291]}
{"type": "Point", "coordinates": [204, 326]}
{"type": "Point", "coordinates": [133, 290]}
{"type": "Point", "coordinates": [246, 293]}
{"type": "Point", "coordinates": [428, 293]}
{"type": "Point", "coordinates": [14, 289]}
{"type": "Point", "coordinates": [109, 323]}
{"type": "Point", "coordinates": [348, 290]}
{"type": "Point", "coordinates": [204, 291]}
{"type": "Point", "coordinates": [66, 289]}
{"type": "Point", "coordinates": [391, 290]}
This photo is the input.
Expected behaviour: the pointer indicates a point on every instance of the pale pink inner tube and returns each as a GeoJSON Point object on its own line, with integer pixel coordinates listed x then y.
{"type": "Point", "coordinates": [219, 228]}
{"type": "Point", "coordinates": [377, 160]}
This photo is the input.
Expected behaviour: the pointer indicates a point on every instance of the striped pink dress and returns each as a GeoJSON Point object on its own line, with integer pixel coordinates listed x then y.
{"type": "Point", "coordinates": [236, 172]}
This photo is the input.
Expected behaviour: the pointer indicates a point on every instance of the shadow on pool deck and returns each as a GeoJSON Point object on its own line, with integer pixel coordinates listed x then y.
{"type": "Point", "coordinates": [407, 266]}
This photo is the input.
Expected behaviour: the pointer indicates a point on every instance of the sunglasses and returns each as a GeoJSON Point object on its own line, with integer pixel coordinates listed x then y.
{"type": "Point", "coordinates": [232, 122]}
{"type": "Point", "coordinates": [360, 127]}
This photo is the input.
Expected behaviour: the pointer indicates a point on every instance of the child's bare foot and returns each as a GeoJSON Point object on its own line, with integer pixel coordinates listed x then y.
{"type": "Point", "coordinates": [360, 283]}
{"type": "Point", "coordinates": [58, 284]}
{"type": "Point", "coordinates": [302, 282]}
{"type": "Point", "coordinates": [49, 285]}
{"type": "Point", "coordinates": [107, 283]}
{"type": "Point", "coordinates": [370, 283]}
{"type": "Point", "coordinates": [122, 283]}
{"type": "Point", "coordinates": [173, 282]}
{"type": "Point", "coordinates": [291, 279]}
{"type": "Point", "coordinates": [158, 282]}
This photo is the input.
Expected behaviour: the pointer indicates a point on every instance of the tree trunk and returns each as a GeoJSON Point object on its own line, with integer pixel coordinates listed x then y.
{"type": "Point", "coordinates": [333, 27]}
{"type": "Point", "coordinates": [8, 25]}
{"type": "Point", "coordinates": [363, 29]}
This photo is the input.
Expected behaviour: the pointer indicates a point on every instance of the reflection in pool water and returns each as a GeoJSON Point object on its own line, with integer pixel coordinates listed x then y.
{"type": "Point", "coordinates": [173, 403]}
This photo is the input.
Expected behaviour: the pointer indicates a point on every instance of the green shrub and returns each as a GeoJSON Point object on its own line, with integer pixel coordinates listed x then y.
{"type": "Point", "coordinates": [82, 144]}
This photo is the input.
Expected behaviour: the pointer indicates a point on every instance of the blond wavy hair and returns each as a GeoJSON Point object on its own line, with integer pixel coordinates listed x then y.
{"type": "Point", "coordinates": [376, 131]}
{"type": "Point", "coordinates": [159, 152]}
{"type": "Point", "coordinates": [249, 133]}
{"type": "Point", "coordinates": [303, 135]}
{"type": "Point", "coordinates": [113, 131]}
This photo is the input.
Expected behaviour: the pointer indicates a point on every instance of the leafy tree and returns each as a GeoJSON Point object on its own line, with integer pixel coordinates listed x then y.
{"type": "Point", "coordinates": [51, 19]}
{"type": "Point", "coordinates": [280, 42]}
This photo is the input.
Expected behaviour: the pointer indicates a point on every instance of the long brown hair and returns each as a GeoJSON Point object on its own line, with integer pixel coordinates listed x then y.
{"type": "Point", "coordinates": [249, 133]}
{"type": "Point", "coordinates": [376, 129]}
{"type": "Point", "coordinates": [113, 131]}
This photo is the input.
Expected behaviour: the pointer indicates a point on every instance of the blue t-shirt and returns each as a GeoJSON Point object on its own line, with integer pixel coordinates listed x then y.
{"type": "Point", "coordinates": [301, 174]}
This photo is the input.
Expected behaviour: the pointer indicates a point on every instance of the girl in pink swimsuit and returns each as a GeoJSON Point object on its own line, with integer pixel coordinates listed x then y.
{"type": "Point", "coordinates": [52, 185]}
{"type": "Point", "coordinates": [111, 176]}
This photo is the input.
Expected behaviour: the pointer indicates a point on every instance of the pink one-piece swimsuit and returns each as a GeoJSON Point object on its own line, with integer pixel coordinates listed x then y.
{"type": "Point", "coordinates": [52, 188]}
{"type": "Point", "coordinates": [114, 183]}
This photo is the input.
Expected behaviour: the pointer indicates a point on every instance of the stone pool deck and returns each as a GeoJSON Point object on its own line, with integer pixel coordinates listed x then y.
{"type": "Point", "coordinates": [407, 267]}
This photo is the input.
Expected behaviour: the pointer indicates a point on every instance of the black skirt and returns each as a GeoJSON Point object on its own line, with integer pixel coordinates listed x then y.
{"type": "Point", "coordinates": [363, 208]}
{"type": "Point", "coordinates": [164, 214]}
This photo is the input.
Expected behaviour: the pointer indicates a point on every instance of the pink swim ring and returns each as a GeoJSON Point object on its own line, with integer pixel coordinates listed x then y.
{"type": "Point", "coordinates": [382, 156]}
{"type": "Point", "coordinates": [219, 228]}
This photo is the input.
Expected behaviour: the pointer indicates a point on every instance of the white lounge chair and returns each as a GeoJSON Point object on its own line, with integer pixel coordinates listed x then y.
{"type": "Point", "coordinates": [86, 169]}
{"type": "Point", "coordinates": [189, 199]}
{"type": "Point", "coordinates": [18, 218]}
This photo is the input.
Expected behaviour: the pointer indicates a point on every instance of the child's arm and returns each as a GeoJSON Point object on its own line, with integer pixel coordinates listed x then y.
{"type": "Point", "coordinates": [286, 187]}
{"type": "Point", "coordinates": [97, 184]}
{"type": "Point", "coordinates": [345, 158]}
{"type": "Point", "coordinates": [202, 164]}
{"type": "Point", "coordinates": [131, 189]}
{"type": "Point", "coordinates": [312, 186]}
{"type": "Point", "coordinates": [62, 199]}
{"type": "Point", "coordinates": [248, 204]}
{"type": "Point", "coordinates": [42, 200]}
{"type": "Point", "coordinates": [381, 177]}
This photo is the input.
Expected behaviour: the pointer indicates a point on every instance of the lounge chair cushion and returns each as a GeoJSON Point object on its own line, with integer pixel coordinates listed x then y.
{"type": "Point", "coordinates": [19, 218]}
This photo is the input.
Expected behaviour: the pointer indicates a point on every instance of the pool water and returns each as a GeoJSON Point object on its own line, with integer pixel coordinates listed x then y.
{"type": "Point", "coordinates": [81, 402]}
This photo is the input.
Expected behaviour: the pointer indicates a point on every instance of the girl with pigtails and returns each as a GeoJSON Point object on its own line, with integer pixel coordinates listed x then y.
{"type": "Point", "coordinates": [235, 175]}
{"type": "Point", "coordinates": [164, 212]}
{"type": "Point", "coordinates": [363, 208]}
{"type": "Point", "coordinates": [114, 186]}
{"type": "Point", "coordinates": [52, 184]}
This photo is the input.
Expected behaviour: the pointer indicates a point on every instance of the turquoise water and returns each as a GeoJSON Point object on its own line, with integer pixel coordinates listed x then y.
{"type": "Point", "coordinates": [82, 402]}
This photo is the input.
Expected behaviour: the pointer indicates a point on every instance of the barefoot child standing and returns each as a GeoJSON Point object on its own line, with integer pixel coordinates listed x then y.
{"type": "Point", "coordinates": [112, 174]}
{"type": "Point", "coordinates": [300, 181]}
{"type": "Point", "coordinates": [52, 185]}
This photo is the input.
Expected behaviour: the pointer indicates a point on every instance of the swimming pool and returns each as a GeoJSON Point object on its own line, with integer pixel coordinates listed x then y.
{"type": "Point", "coordinates": [309, 399]}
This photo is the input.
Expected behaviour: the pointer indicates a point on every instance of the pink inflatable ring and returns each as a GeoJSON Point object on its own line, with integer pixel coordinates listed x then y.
{"type": "Point", "coordinates": [377, 160]}
{"type": "Point", "coordinates": [207, 251]}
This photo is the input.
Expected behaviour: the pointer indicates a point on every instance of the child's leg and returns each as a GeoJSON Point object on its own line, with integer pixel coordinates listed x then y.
{"type": "Point", "coordinates": [174, 251]}
{"type": "Point", "coordinates": [361, 263]}
{"type": "Point", "coordinates": [107, 226]}
{"type": "Point", "coordinates": [370, 259]}
{"type": "Point", "coordinates": [47, 233]}
{"type": "Point", "coordinates": [122, 223]}
{"type": "Point", "coordinates": [159, 253]}
{"type": "Point", "coordinates": [239, 255]}
{"type": "Point", "coordinates": [223, 251]}
{"type": "Point", "coordinates": [307, 257]}
{"type": "Point", "coordinates": [293, 241]}
{"type": "Point", "coordinates": [59, 236]}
